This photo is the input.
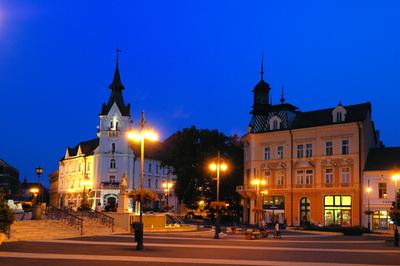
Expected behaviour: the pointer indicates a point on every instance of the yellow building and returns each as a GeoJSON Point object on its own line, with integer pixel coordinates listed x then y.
{"type": "Point", "coordinates": [308, 164]}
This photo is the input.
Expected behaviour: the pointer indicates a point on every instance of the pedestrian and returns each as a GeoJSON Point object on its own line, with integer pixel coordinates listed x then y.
{"type": "Point", "coordinates": [277, 232]}
{"type": "Point", "coordinates": [98, 207]}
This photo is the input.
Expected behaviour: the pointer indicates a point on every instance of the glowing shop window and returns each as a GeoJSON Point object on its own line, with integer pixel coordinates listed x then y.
{"type": "Point", "coordinates": [328, 200]}
{"type": "Point", "coordinates": [346, 200]}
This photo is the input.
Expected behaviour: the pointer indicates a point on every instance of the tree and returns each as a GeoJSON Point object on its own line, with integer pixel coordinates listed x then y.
{"type": "Point", "coordinates": [189, 151]}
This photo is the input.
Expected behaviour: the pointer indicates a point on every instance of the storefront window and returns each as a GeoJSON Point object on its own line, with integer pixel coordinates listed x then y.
{"type": "Point", "coordinates": [274, 207]}
{"type": "Point", "coordinates": [337, 210]}
{"type": "Point", "coordinates": [380, 220]}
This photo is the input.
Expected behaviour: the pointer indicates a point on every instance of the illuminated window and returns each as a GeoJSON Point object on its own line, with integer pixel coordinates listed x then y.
{"type": "Point", "coordinates": [382, 190]}
{"type": "Point", "coordinates": [337, 210]}
{"type": "Point", "coordinates": [267, 177]}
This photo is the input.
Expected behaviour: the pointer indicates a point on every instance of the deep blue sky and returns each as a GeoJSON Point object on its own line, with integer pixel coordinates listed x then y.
{"type": "Point", "coordinates": [184, 63]}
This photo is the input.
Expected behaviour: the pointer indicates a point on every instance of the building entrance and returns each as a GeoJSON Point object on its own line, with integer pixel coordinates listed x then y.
{"type": "Point", "coordinates": [304, 210]}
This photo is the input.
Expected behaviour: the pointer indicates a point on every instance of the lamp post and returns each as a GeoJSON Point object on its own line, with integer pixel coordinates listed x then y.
{"type": "Point", "coordinates": [369, 189]}
{"type": "Point", "coordinates": [141, 136]}
{"type": "Point", "coordinates": [218, 166]}
{"type": "Point", "coordinates": [395, 178]}
{"type": "Point", "coordinates": [257, 183]}
{"type": "Point", "coordinates": [39, 172]}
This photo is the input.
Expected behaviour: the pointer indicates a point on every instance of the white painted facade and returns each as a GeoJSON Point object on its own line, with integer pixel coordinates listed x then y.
{"type": "Point", "coordinates": [108, 159]}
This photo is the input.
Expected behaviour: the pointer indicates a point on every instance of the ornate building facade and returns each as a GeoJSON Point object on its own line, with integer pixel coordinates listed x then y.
{"type": "Point", "coordinates": [305, 166]}
{"type": "Point", "coordinates": [94, 169]}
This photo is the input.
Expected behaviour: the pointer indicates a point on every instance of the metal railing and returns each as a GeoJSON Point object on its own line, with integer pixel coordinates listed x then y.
{"type": "Point", "coordinates": [99, 217]}
{"type": "Point", "coordinates": [55, 213]}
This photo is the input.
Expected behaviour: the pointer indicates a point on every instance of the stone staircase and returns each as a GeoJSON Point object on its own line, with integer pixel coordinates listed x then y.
{"type": "Point", "coordinates": [56, 229]}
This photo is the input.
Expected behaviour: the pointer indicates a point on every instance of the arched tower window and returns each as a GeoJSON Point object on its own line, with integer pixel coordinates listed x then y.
{"type": "Point", "coordinates": [112, 164]}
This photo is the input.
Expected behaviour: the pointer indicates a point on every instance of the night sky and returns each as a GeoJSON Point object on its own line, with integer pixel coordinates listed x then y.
{"type": "Point", "coordinates": [186, 63]}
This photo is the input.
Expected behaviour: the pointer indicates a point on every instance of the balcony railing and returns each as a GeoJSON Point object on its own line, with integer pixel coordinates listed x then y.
{"type": "Point", "coordinates": [110, 185]}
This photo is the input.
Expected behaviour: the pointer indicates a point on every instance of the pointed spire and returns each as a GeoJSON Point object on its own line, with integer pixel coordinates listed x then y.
{"type": "Point", "coordinates": [262, 65]}
{"type": "Point", "coordinates": [116, 83]}
{"type": "Point", "coordinates": [282, 100]}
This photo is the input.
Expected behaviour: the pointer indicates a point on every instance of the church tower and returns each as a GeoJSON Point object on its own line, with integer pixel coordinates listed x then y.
{"type": "Point", "coordinates": [114, 158]}
{"type": "Point", "coordinates": [261, 91]}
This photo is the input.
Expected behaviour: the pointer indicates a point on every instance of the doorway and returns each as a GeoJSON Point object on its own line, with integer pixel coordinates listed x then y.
{"type": "Point", "coordinates": [305, 216]}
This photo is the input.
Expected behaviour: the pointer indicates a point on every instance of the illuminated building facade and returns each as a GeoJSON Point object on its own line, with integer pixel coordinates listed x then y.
{"type": "Point", "coordinates": [312, 162]}
{"type": "Point", "coordinates": [96, 168]}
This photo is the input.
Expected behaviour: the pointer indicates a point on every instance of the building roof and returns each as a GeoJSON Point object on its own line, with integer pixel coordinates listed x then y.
{"type": "Point", "coordinates": [116, 95]}
{"type": "Point", "coordinates": [387, 158]}
{"type": "Point", "coordinates": [355, 113]}
{"type": "Point", "coordinates": [87, 148]}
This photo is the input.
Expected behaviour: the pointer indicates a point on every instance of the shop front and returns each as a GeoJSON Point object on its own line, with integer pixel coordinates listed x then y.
{"type": "Point", "coordinates": [337, 210]}
{"type": "Point", "coordinates": [274, 209]}
{"type": "Point", "coordinates": [381, 220]}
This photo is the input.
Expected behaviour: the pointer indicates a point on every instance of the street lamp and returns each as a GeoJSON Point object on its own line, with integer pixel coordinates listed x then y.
{"type": "Point", "coordinates": [395, 178]}
{"type": "Point", "coordinates": [257, 183]}
{"type": "Point", "coordinates": [368, 190]}
{"type": "Point", "coordinates": [39, 172]}
{"type": "Point", "coordinates": [167, 185]}
{"type": "Point", "coordinates": [218, 166]}
{"type": "Point", "coordinates": [141, 136]}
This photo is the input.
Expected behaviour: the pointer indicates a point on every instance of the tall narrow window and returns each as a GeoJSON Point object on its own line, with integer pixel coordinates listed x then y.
{"type": "Point", "coordinates": [149, 183]}
{"type": "Point", "coordinates": [328, 148]}
{"type": "Point", "coordinates": [156, 183]}
{"type": "Point", "coordinates": [339, 117]}
{"type": "Point", "coordinates": [275, 125]}
{"type": "Point", "coordinates": [345, 175]}
{"type": "Point", "coordinates": [113, 147]}
{"type": "Point", "coordinates": [149, 167]}
{"type": "Point", "coordinates": [279, 152]}
{"type": "Point", "coordinates": [329, 176]}
{"type": "Point", "coordinates": [116, 125]}
{"type": "Point", "coordinates": [382, 189]}
{"type": "Point", "coordinates": [267, 176]}
{"type": "Point", "coordinates": [300, 177]}
{"type": "Point", "coordinates": [112, 164]}
{"type": "Point", "coordinates": [309, 177]}
{"type": "Point", "coordinates": [300, 151]}
{"type": "Point", "coordinates": [112, 178]}
{"type": "Point", "coordinates": [267, 153]}
{"type": "Point", "coordinates": [279, 178]}
{"type": "Point", "coordinates": [345, 146]}
{"type": "Point", "coordinates": [111, 124]}
{"type": "Point", "coordinates": [309, 150]}
{"type": "Point", "coordinates": [157, 166]}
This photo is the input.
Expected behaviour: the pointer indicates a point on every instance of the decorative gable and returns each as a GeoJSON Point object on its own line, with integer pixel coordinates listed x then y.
{"type": "Point", "coordinates": [339, 114]}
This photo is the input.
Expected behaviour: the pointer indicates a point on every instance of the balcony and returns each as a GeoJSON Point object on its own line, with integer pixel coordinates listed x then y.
{"type": "Point", "coordinates": [246, 191]}
{"type": "Point", "coordinates": [110, 185]}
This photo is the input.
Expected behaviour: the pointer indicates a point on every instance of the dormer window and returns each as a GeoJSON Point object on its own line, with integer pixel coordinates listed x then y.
{"type": "Point", "coordinates": [339, 114]}
{"type": "Point", "coordinates": [274, 123]}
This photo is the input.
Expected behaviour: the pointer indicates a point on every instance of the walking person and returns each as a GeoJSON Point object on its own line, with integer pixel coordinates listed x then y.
{"type": "Point", "coordinates": [277, 232]}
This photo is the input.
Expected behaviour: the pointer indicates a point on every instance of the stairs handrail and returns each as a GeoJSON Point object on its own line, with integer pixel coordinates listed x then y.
{"type": "Point", "coordinates": [101, 217]}
{"type": "Point", "coordinates": [58, 214]}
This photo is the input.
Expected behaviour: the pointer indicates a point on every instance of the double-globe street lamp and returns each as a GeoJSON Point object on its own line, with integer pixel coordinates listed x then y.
{"type": "Point", "coordinates": [256, 182]}
{"type": "Point", "coordinates": [369, 190]}
{"type": "Point", "coordinates": [218, 166]}
{"type": "Point", "coordinates": [141, 136]}
{"type": "Point", "coordinates": [39, 172]}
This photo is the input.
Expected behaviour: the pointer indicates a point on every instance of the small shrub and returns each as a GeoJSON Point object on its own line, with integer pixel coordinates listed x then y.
{"type": "Point", "coordinates": [353, 231]}
{"type": "Point", "coordinates": [6, 216]}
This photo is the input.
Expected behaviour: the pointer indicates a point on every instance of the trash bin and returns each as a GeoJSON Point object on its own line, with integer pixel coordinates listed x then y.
{"type": "Point", "coordinates": [138, 231]}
